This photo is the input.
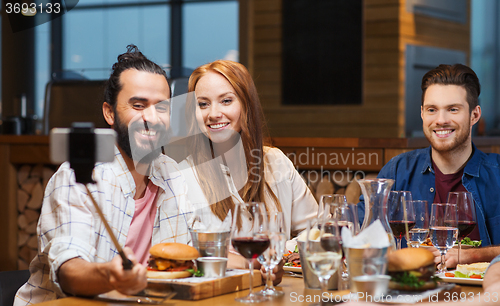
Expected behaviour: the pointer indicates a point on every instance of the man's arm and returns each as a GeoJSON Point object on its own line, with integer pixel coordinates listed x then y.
{"type": "Point", "coordinates": [491, 282]}
{"type": "Point", "coordinates": [80, 277]}
{"type": "Point", "coordinates": [467, 256]}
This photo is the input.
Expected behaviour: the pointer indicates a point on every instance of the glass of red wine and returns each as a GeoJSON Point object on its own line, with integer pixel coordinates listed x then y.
{"type": "Point", "coordinates": [401, 214]}
{"type": "Point", "coordinates": [249, 236]}
{"type": "Point", "coordinates": [466, 215]}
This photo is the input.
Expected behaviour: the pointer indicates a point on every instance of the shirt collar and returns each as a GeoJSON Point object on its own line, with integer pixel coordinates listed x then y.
{"type": "Point", "coordinates": [472, 167]}
{"type": "Point", "coordinates": [427, 162]}
{"type": "Point", "coordinates": [158, 175]}
{"type": "Point", "coordinates": [123, 175]}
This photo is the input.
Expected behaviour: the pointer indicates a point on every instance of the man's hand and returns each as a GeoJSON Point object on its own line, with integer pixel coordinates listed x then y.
{"type": "Point", "coordinates": [451, 258]}
{"type": "Point", "coordinates": [80, 277]}
{"type": "Point", "coordinates": [128, 282]}
{"type": "Point", "coordinates": [276, 273]}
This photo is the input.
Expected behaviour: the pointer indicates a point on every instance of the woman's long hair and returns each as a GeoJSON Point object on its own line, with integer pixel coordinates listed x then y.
{"type": "Point", "coordinates": [210, 176]}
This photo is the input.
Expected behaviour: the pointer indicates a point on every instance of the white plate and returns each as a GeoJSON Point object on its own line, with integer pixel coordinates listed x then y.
{"type": "Point", "coordinates": [460, 280]}
{"type": "Point", "coordinates": [464, 246]}
{"type": "Point", "coordinates": [115, 296]}
{"type": "Point", "coordinates": [293, 269]}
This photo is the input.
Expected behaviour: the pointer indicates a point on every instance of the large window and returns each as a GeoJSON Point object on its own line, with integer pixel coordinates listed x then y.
{"type": "Point", "coordinates": [177, 34]}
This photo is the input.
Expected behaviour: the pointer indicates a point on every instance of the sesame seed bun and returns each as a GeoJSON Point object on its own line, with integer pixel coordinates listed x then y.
{"type": "Point", "coordinates": [174, 251]}
{"type": "Point", "coordinates": [410, 259]}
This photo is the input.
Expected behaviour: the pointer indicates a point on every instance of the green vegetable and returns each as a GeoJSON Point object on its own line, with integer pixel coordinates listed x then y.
{"type": "Point", "coordinates": [460, 274]}
{"type": "Point", "coordinates": [288, 264]}
{"type": "Point", "coordinates": [409, 280]}
{"type": "Point", "coordinates": [196, 273]}
{"type": "Point", "coordinates": [468, 241]}
{"type": "Point", "coordinates": [296, 249]}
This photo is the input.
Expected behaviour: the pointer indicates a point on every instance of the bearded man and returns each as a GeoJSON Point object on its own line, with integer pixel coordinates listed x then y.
{"type": "Point", "coordinates": [140, 193]}
{"type": "Point", "coordinates": [452, 162]}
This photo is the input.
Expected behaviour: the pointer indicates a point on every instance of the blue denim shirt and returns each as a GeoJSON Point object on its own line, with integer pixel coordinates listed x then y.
{"type": "Point", "coordinates": [413, 171]}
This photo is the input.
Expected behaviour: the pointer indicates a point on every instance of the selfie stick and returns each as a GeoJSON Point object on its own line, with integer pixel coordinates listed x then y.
{"type": "Point", "coordinates": [82, 161]}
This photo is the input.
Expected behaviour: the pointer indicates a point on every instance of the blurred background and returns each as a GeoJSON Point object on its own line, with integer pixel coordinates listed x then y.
{"type": "Point", "coordinates": [323, 68]}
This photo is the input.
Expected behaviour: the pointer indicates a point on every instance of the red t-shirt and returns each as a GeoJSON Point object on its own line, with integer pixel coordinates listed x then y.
{"type": "Point", "coordinates": [446, 183]}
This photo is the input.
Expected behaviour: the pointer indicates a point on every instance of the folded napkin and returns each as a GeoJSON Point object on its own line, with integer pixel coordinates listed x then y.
{"type": "Point", "coordinates": [374, 236]}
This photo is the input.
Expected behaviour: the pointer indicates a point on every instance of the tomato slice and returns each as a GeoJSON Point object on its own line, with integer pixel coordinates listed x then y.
{"type": "Point", "coordinates": [475, 276]}
{"type": "Point", "coordinates": [447, 274]}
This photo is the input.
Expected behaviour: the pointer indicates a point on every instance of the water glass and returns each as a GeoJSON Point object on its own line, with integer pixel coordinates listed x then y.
{"type": "Point", "coordinates": [420, 231]}
{"type": "Point", "coordinates": [273, 255]}
{"type": "Point", "coordinates": [443, 229]}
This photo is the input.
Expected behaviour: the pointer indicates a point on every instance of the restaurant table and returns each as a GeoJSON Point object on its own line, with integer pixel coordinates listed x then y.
{"type": "Point", "coordinates": [295, 293]}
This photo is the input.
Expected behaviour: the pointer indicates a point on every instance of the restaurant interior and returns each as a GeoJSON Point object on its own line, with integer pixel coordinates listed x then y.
{"type": "Point", "coordinates": [337, 78]}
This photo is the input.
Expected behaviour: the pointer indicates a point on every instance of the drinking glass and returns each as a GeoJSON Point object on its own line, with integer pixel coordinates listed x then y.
{"type": "Point", "coordinates": [401, 214]}
{"type": "Point", "coordinates": [249, 236]}
{"type": "Point", "coordinates": [273, 255]}
{"type": "Point", "coordinates": [466, 214]}
{"type": "Point", "coordinates": [443, 229]}
{"type": "Point", "coordinates": [420, 231]}
{"type": "Point", "coordinates": [323, 253]}
{"type": "Point", "coordinates": [332, 199]}
{"type": "Point", "coordinates": [345, 218]}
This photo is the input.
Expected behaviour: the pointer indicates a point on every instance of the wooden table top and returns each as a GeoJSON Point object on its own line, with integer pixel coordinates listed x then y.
{"type": "Point", "coordinates": [295, 294]}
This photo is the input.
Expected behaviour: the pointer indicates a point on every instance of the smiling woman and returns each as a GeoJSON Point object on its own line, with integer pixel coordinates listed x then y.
{"type": "Point", "coordinates": [229, 162]}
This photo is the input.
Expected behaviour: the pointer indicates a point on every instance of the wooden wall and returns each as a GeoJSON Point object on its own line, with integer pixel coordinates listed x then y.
{"type": "Point", "coordinates": [387, 30]}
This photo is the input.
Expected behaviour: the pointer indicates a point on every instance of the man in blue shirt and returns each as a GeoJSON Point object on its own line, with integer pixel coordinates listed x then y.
{"type": "Point", "coordinates": [452, 162]}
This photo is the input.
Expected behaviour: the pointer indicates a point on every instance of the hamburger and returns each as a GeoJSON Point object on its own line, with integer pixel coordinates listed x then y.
{"type": "Point", "coordinates": [412, 269]}
{"type": "Point", "coordinates": [171, 260]}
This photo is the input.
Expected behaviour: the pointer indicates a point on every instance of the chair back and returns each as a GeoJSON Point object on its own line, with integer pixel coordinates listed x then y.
{"type": "Point", "coordinates": [10, 282]}
{"type": "Point", "coordinates": [68, 101]}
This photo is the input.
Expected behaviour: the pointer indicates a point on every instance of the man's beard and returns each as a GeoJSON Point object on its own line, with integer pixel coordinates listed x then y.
{"type": "Point", "coordinates": [139, 154]}
{"type": "Point", "coordinates": [459, 142]}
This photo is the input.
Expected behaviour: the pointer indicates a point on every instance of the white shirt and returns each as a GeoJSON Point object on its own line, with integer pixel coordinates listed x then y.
{"type": "Point", "coordinates": [297, 202]}
{"type": "Point", "coordinates": [69, 226]}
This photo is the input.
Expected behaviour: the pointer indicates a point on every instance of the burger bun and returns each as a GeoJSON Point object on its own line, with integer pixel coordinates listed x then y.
{"type": "Point", "coordinates": [409, 259]}
{"type": "Point", "coordinates": [167, 274]}
{"type": "Point", "coordinates": [174, 251]}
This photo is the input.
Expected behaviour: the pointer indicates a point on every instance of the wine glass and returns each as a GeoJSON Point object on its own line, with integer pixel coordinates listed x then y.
{"type": "Point", "coordinates": [401, 214]}
{"type": "Point", "coordinates": [323, 253]}
{"type": "Point", "coordinates": [420, 231]}
{"type": "Point", "coordinates": [345, 218]}
{"type": "Point", "coordinates": [466, 214]}
{"type": "Point", "coordinates": [354, 209]}
{"type": "Point", "coordinates": [332, 199]}
{"type": "Point", "coordinates": [249, 236]}
{"type": "Point", "coordinates": [443, 229]}
{"type": "Point", "coordinates": [273, 255]}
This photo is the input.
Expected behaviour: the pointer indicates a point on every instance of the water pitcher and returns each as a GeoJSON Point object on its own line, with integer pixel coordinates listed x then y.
{"type": "Point", "coordinates": [375, 192]}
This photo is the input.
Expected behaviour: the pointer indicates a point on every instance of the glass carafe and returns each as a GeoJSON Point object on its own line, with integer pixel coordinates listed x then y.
{"type": "Point", "coordinates": [375, 193]}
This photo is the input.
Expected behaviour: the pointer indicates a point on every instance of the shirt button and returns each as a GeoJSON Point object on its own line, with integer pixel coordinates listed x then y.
{"type": "Point", "coordinates": [432, 189]}
{"type": "Point", "coordinates": [128, 213]}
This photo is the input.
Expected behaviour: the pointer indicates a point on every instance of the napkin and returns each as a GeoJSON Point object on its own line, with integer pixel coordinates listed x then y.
{"type": "Point", "coordinates": [374, 236]}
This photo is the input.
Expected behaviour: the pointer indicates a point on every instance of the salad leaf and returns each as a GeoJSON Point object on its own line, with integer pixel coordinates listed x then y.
{"type": "Point", "coordinates": [468, 241]}
{"type": "Point", "coordinates": [460, 274]}
{"type": "Point", "coordinates": [196, 273]}
{"type": "Point", "coordinates": [296, 249]}
{"type": "Point", "coordinates": [408, 279]}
